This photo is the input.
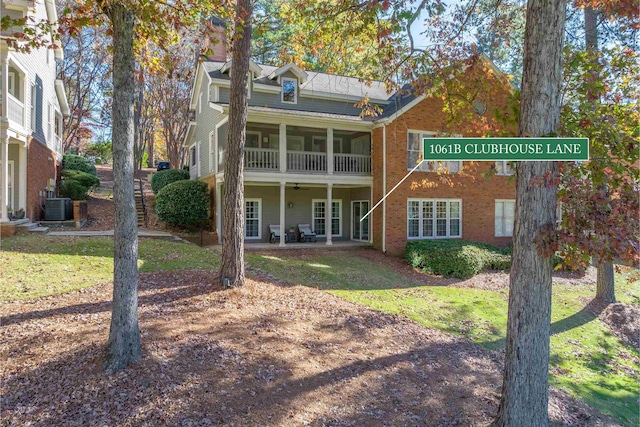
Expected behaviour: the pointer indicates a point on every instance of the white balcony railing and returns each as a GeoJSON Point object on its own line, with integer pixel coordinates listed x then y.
{"type": "Point", "coordinates": [306, 161]}
{"type": "Point", "coordinates": [15, 110]}
{"type": "Point", "coordinates": [352, 163]}
{"type": "Point", "coordinates": [268, 159]}
{"type": "Point", "coordinates": [261, 158]}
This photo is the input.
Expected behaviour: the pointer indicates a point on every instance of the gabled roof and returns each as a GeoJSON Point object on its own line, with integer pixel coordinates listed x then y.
{"type": "Point", "coordinates": [330, 85]}
{"type": "Point", "coordinates": [289, 67]}
{"type": "Point", "coordinates": [253, 67]}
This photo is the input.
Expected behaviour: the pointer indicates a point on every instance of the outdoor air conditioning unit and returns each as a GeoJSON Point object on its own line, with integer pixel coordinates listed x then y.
{"type": "Point", "coordinates": [58, 209]}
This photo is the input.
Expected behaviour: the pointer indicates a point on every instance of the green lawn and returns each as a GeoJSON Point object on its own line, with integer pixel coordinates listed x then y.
{"type": "Point", "coordinates": [587, 360]}
{"type": "Point", "coordinates": [37, 266]}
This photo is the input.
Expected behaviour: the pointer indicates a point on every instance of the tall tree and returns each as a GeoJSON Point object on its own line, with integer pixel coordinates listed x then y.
{"type": "Point", "coordinates": [124, 345]}
{"type": "Point", "coordinates": [85, 70]}
{"type": "Point", "coordinates": [133, 24]}
{"type": "Point", "coordinates": [524, 400]}
{"type": "Point", "coordinates": [232, 260]}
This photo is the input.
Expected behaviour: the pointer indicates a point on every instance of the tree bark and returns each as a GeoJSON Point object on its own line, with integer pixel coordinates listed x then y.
{"type": "Point", "coordinates": [232, 259]}
{"type": "Point", "coordinates": [605, 283]}
{"type": "Point", "coordinates": [124, 336]}
{"type": "Point", "coordinates": [524, 400]}
{"type": "Point", "coordinates": [605, 289]}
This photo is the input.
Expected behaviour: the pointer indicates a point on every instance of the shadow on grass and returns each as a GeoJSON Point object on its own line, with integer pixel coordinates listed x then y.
{"type": "Point", "coordinates": [162, 296]}
{"type": "Point", "coordinates": [589, 313]}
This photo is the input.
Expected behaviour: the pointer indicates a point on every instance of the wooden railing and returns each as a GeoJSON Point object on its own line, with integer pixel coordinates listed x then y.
{"type": "Point", "coordinates": [261, 158]}
{"type": "Point", "coordinates": [306, 161]}
{"type": "Point", "coordinates": [352, 163]}
{"type": "Point", "coordinates": [268, 159]}
{"type": "Point", "coordinates": [15, 110]}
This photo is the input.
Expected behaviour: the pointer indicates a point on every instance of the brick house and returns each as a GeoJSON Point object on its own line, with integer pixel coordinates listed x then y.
{"type": "Point", "coordinates": [33, 106]}
{"type": "Point", "coordinates": [311, 158]}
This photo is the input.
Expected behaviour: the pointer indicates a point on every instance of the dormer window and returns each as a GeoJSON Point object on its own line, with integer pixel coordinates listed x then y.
{"type": "Point", "coordinates": [289, 90]}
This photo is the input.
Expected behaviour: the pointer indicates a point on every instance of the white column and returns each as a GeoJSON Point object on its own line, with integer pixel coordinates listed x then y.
{"type": "Point", "coordinates": [330, 165]}
{"type": "Point", "coordinates": [4, 143]}
{"type": "Point", "coordinates": [22, 179]}
{"type": "Point", "coordinates": [328, 214]}
{"type": "Point", "coordinates": [219, 212]}
{"type": "Point", "coordinates": [282, 147]}
{"type": "Point", "coordinates": [282, 213]}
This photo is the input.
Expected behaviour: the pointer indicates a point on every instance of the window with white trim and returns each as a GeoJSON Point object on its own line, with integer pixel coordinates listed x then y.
{"type": "Point", "coordinates": [504, 217]}
{"type": "Point", "coordinates": [414, 149]}
{"type": "Point", "coordinates": [503, 167]}
{"type": "Point", "coordinates": [33, 107]}
{"type": "Point", "coordinates": [252, 218]}
{"type": "Point", "coordinates": [50, 119]}
{"type": "Point", "coordinates": [289, 90]}
{"type": "Point", "coordinates": [212, 151]}
{"type": "Point", "coordinates": [319, 215]}
{"type": "Point", "coordinates": [434, 218]}
{"type": "Point", "coordinates": [192, 154]}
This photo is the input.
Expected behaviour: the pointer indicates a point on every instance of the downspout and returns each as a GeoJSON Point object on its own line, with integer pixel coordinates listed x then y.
{"type": "Point", "coordinates": [384, 188]}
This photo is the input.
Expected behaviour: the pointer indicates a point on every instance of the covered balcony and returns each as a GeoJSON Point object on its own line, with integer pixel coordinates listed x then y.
{"type": "Point", "coordinates": [308, 150]}
{"type": "Point", "coordinates": [14, 107]}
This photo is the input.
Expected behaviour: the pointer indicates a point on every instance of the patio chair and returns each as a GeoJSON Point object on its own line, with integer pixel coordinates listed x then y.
{"type": "Point", "coordinates": [275, 234]}
{"type": "Point", "coordinates": [306, 234]}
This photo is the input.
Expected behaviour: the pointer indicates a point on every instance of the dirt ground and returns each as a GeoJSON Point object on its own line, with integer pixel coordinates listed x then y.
{"type": "Point", "coordinates": [266, 355]}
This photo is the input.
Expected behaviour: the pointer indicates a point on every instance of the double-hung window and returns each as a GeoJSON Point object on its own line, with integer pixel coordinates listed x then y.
{"type": "Point", "coordinates": [289, 90]}
{"type": "Point", "coordinates": [503, 167]}
{"type": "Point", "coordinates": [414, 149]}
{"type": "Point", "coordinates": [434, 218]}
{"type": "Point", "coordinates": [320, 215]}
{"type": "Point", "coordinates": [504, 217]}
{"type": "Point", "coordinates": [253, 218]}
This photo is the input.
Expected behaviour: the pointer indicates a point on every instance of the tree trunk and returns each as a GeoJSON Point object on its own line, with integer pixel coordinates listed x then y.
{"type": "Point", "coordinates": [124, 336]}
{"type": "Point", "coordinates": [524, 400]}
{"type": "Point", "coordinates": [605, 289]}
{"type": "Point", "coordinates": [232, 259]}
{"type": "Point", "coordinates": [152, 146]}
{"type": "Point", "coordinates": [605, 284]}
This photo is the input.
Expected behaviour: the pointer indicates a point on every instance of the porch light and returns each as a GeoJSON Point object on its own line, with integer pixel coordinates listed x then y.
{"type": "Point", "coordinates": [290, 204]}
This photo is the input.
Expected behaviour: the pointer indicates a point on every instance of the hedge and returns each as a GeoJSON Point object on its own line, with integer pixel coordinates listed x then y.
{"type": "Point", "coordinates": [72, 189]}
{"type": "Point", "coordinates": [456, 258]}
{"type": "Point", "coordinates": [79, 163]}
{"type": "Point", "coordinates": [163, 178]}
{"type": "Point", "coordinates": [183, 203]}
{"type": "Point", "coordinates": [84, 178]}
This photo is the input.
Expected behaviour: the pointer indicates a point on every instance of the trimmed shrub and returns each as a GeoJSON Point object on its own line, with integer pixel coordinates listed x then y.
{"type": "Point", "coordinates": [78, 163]}
{"type": "Point", "coordinates": [163, 178]}
{"type": "Point", "coordinates": [83, 178]}
{"type": "Point", "coordinates": [72, 189]}
{"type": "Point", "coordinates": [183, 203]}
{"type": "Point", "coordinates": [456, 258]}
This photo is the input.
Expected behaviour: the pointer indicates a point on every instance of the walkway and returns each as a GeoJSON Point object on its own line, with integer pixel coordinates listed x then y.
{"type": "Point", "coordinates": [142, 232]}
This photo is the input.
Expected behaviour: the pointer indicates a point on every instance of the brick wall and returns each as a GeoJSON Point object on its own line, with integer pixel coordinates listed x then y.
{"type": "Point", "coordinates": [478, 195]}
{"type": "Point", "coordinates": [41, 165]}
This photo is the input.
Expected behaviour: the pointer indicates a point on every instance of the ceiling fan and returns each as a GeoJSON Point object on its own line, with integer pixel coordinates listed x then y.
{"type": "Point", "coordinates": [297, 187]}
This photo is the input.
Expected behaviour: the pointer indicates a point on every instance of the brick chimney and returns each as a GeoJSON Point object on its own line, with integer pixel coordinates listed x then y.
{"type": "Point", "coordinates": [216, 44]}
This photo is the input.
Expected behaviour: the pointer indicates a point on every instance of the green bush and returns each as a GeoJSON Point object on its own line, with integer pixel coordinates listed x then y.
{"type": "Point", "coordinates": [163, 178]}
{"type": "Point", "coordinates": [183, 203]}
{"type": "Point", "coordinates": [456, 258]}
{"type": "Point", "coordinates": [78, 163]}
{"type": "Point", "coordinates": [98, 161]}
{"type": "Point", "coordinates": [72, 189]}
{"type": "Point", "coordinates": [86, 179]}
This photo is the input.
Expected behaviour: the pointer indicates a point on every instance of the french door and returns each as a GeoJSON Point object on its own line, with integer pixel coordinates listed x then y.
{"type": "Point", "coordinates": [359, 229]}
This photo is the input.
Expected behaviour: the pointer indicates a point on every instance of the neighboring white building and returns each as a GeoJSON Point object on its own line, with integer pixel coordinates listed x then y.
{"type": "Point", "coordinates": [33, 103]}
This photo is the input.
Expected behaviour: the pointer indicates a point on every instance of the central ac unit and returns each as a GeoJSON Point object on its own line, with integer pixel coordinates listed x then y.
{"type": "Point", "coordinates": [58, 209]}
